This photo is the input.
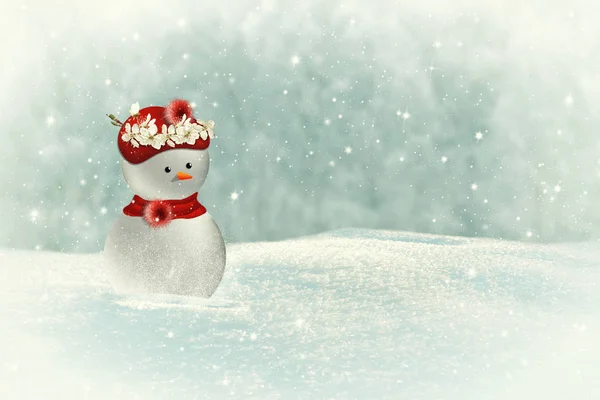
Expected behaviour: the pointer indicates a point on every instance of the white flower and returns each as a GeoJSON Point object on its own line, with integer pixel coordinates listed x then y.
{"type": "Point", "coordinates": [178, 134]}
{"type": "Point", "coordinates": [128, 135]}
{"type": "Point", "coordinates": [135, 109]}
{"type": "Point", "coordinates": [131, 133]}
{"type": "Point", "coordinates": [200, 131]}
{"type": "Point", "coordinates": [207, 126]}
{"type": "Point", "coordinates": [210, 125]}
{"type": "Point", "coordinates": [158, 141]}
{"type": "Point", "coordinates": [185, 134]}
{"type": "Point", "coordinates": [145, 141]}
{"type": "Point", "coordinates": [185, 121]}
{"type": "Point", "coordinates": [148, 133]}
{"type": "Point", "coordinates": [152, 129]}
{"type": "Point", "coordinates": [168, 135]}
{"type": "Point", "coordinates": [192, 136]}
{"type": "Point", "coordinates": [149, 136]}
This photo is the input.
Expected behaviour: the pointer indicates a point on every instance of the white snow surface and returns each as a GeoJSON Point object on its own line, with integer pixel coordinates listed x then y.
{"type": "Point", "coordinates": [347, 314]}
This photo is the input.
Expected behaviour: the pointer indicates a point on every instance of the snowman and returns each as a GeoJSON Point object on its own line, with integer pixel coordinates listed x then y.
{"type": "Point", "coordinates": [165, 241]}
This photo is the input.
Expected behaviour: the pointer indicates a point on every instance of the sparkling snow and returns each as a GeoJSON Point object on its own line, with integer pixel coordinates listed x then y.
{"type": "Point", "coordinates": [348, 314]}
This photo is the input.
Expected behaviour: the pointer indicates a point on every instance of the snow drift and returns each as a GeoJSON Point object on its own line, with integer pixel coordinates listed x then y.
{"type": "Point", "coordinates": [348, 314]}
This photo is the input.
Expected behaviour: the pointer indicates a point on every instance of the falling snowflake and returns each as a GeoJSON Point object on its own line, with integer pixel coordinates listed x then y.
{"type": "Point", "coordinates": [569, 100]}
{"type": "Point", "coordinates": [50, 120]}
{"type": "Point", "coordinates": [348, 150]}
{"type": "Point", "coordinates": [34, 215]}
{"type": "Point", "coordinates": [234, 196]}
{"type": "Point", "coordinates": [444, 159]}
{"type": "Point", "coordinates": [478, 136]}
{"type": "Point", "coordinates": [474, 186]}
{"type": "Point", "coordinates": [295, 60]}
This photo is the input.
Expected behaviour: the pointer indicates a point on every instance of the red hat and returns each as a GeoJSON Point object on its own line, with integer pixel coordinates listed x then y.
{"type": "Point", "coordinates": [153, 130]}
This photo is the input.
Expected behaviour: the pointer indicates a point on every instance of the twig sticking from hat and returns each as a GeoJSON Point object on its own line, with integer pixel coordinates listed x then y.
{"type": "Point", "coordinates": [114, 120]}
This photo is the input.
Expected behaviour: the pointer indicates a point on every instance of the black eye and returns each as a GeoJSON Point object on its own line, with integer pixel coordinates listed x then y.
{"type": "Point", "coordinates": [168, 169]}
{"type": "Point", "coordinates": [188, 165]}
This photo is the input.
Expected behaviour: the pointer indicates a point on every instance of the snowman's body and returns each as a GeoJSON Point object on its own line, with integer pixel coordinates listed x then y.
{"type": "Point", "coordinates": [186, 257]}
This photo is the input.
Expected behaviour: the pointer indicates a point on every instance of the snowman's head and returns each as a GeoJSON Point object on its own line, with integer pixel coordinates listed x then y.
{"type": "Point", "coordinates": [164, 150]}
{"type": "Point", "coordinates": [174, 174]}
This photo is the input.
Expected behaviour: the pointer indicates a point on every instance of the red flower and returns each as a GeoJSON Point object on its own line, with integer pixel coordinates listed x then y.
{"type": "Point", "coordinates": [158, 213]}
{"type": "Point", "coordinates": [176, 109]}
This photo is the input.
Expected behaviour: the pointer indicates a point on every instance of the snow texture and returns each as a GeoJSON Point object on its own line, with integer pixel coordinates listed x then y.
{"type": "Point", "coordinates": [348, 314]}
{"type": "Point", "coordinates": [186, 257]}
{"type": "Point", "coordinates": [463, 117]}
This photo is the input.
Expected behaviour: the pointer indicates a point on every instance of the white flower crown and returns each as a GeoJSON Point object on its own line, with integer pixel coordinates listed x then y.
{"type": "Point", "coordinates": [146, 133]}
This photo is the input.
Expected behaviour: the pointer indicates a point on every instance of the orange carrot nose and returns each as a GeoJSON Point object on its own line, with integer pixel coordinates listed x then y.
{"type": "Point", "coordinates": [182, 176]}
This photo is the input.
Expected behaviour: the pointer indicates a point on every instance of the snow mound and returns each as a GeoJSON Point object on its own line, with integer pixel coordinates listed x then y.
{"type": "Point", "coordinates": [347, 314]}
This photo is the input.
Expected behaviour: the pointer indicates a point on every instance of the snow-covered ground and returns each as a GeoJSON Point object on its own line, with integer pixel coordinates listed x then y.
{"type": "Point", "coordinates": [348, 314]}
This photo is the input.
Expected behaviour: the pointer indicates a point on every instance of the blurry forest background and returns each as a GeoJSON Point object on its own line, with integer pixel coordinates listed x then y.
{"type": "Point", "coordinates": [476, 118]}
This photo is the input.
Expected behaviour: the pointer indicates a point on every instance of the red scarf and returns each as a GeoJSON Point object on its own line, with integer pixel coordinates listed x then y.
{"type": "Point", "coordinates": [160, 212]}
